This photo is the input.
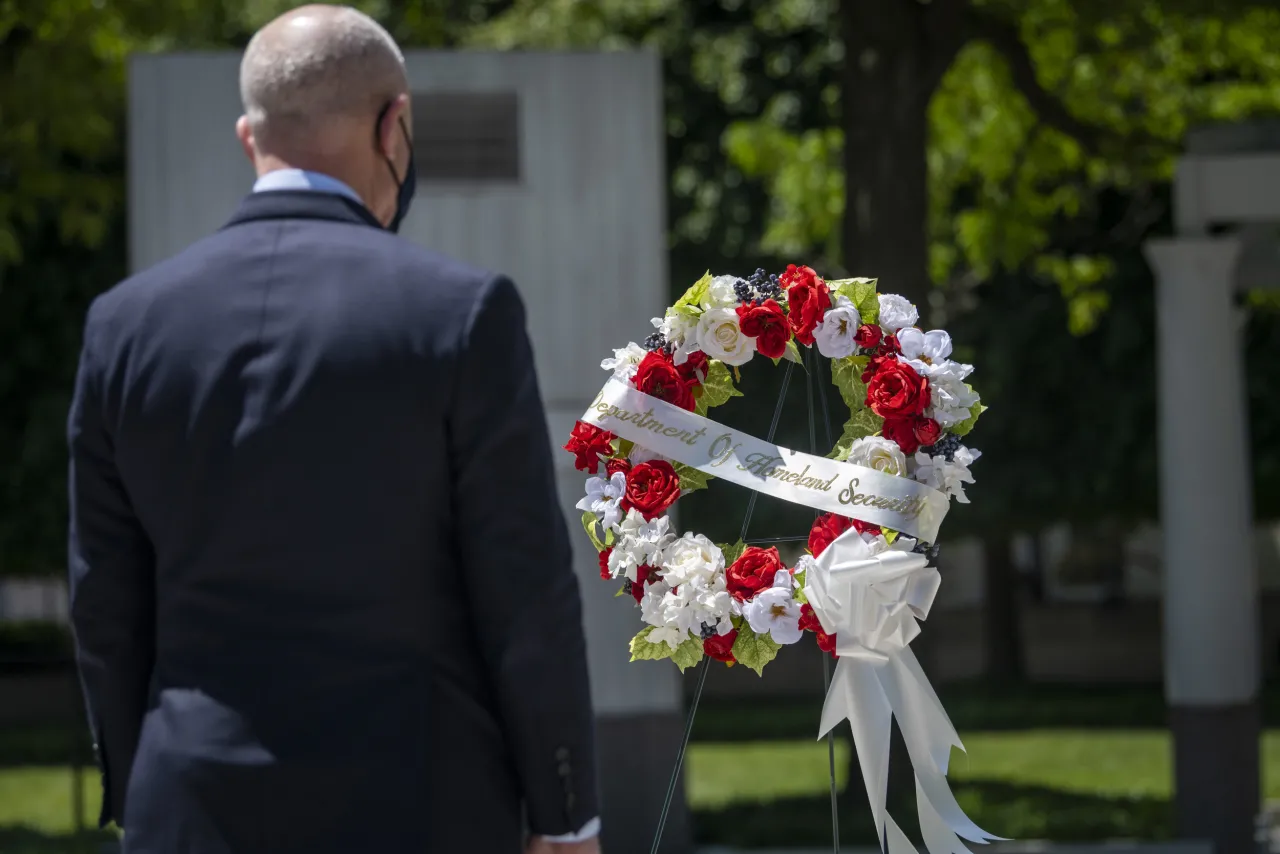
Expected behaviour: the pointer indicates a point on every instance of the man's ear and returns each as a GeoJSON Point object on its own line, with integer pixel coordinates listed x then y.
{"type": "Point", "coordinates": [389, 128]}
{"type": "Point", "coordinates": [244, 133]}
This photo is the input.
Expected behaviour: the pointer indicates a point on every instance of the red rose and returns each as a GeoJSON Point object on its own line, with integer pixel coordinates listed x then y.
{"type": "Point", "coordinates": [588, 442]}
{"type": "Point", "coordinates": [652, 487]}
{"type": "Point", "coordinates": [753, 572]}
{"type": "Point", "coordinates": [809, 623]}
{"type": "Point", "coordinates": [644, 575]}
{"type": "Point", "coordinates": [658, 376]}
{"type": "Point", "coordinates": [928, 431]}
{"type": "Point", "coordinates": [866, 527]}
{"type": "Point", "coordinates": [911, 433]}
{"type": "Point", "coordinates": [612, 467]}
{"type": "Point", "coordinates": [694, 370]}
{"type": "Point", "coordinates": [604, 564]}
{"type": "Point", "coordinates": [720, 647]}
{"type": "Point", "coordinates": [826, 528]}
{"type": "Point", "coordinates": [889, 345]}
{"type": "Point", "coordinates": [809, 300]}
{"type": "Point", "coordinates": [897, 391]}
{"type": "Point", "coordinates": [868, 336]}
{"type": "Point", "coordinates": [768, 325]}
{"type": "Point", "coordinates": [795, 275]}
{"type": "Point", "coordinates": [876, 365]}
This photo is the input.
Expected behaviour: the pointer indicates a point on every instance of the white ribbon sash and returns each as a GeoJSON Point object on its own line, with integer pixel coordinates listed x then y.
{"type": "Point", "coordinates": [897, 503]}
{"type": "Point", "coordinates": [872, 603]}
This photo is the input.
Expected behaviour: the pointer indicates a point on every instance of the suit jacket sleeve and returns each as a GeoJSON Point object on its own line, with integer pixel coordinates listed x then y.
{"type": "Point", "coordinates": [111, 567]}
{"type": "Point", "coordinates": [518, 565]}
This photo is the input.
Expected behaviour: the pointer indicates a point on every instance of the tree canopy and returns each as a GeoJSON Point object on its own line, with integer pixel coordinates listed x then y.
{"type": "Point", "coordinates": [1008, 154]}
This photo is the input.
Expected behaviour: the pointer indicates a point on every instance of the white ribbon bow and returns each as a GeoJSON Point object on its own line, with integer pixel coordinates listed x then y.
{"type": "Point", "coordinates": [872, 603]}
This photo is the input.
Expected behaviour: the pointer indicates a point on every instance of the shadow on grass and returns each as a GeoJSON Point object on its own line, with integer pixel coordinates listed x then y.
{"type": "Point", "coordinates": [970, 705]}
{"type": "Point", "coordinates": [1017, 812]}
{"type": "Point", "coordinates": [24, 840]}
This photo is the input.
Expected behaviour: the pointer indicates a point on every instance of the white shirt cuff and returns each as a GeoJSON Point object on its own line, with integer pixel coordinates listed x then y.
{"type": "Point", "coordinates": [590, 830]}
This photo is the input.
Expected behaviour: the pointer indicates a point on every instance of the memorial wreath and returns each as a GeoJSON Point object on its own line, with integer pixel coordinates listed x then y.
{"type": "Point", "coordinates": [881, 494]}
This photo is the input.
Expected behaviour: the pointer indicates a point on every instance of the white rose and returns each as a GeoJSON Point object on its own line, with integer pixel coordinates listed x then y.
{"type": "Point", "coordinates": [691, 558]}
{"type": "Point", "coordinates": [720, 293]}
{"type": "Point", "coordinates": [720, 337]}
{"type": "Point", "coordinates": [883, 455]}
{"type": "Point", "coordinates": [835, 333]}
{"type": "Point", "coordinates": [896, 312]}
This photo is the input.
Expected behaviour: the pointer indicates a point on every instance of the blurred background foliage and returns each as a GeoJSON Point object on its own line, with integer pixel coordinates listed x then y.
{"type": "Point", "coordinates": [1018, 154]}
{"type": "Point", "coordinates": [999, 161]}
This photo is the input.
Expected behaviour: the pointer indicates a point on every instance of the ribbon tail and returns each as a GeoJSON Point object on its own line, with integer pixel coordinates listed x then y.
{"type": "Point", "coordinates": [856, 695]}
{"type": "Point", "coordinates": [939, 838]}
{"type": "Point", "coordinates": [898, 841]}
{"type": "Point", "coordinates": [929, 736]}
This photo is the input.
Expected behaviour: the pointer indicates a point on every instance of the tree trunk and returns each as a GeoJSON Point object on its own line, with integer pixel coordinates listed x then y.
{"type": "Point", "coordinates": [1002, 635]}
{"type": "Point", "coordinates": [895, 54]}
{"type": "Point", "coordinates": [889, 78]}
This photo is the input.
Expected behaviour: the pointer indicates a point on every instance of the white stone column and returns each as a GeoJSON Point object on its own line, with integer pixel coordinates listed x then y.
{"type": "Point", "coordinates": [1211, 633]}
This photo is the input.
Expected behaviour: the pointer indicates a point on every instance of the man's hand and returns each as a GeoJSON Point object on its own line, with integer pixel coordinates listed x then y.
{"type": "Point", "coordinates": [540, 845]}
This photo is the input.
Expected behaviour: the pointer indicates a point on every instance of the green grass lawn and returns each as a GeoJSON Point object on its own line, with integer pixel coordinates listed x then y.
{"type": "Point", "coordinates": [1060, 783]}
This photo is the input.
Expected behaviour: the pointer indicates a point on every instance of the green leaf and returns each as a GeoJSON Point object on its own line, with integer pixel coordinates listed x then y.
{"type": "Point", "coordinates": [846, 376]}
{"type": "Point", "coordinates": [798, 593]}
{"type": "Point", "coordinates": [733, 552]}
{"type": "Point", "coordinates": [643, 650]}
{"type": "Point", "coordinates": [718, 387]}
{"type": "Point", "coordinates": [754, 651]}
{"type": "Point", "coordinates": [963, 428]}
{"type": "Point", "coordinates": [622, 591]}
{"type": "Point", "coordinates": [591, 525]}
{"type": "Point", "coordinates": [862, 423]}
{"type": "Point", "coordinates": [694, 296]}
{"type": "Point", "coordinates": [862, 293]}
{"type": "Point", "coordinates": [793, 353]}
{"type": "Point", "coordinates": [622, 447]}
{"type": "Point", "coordinates": [691, 480]}
{"type": "Point", "coordinates": [688, 654]}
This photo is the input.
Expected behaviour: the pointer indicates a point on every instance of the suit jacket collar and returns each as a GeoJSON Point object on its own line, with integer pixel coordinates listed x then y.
{"type": "Point", "coordinates": [301, 204]}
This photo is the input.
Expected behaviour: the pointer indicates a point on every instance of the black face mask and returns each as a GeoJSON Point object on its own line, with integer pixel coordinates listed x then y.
{"type": "Point", "coordinates": [406, 187]}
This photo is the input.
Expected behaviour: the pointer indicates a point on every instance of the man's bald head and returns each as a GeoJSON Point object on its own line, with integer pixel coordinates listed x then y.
{"type": "Point", "coordinates": [314, 72]}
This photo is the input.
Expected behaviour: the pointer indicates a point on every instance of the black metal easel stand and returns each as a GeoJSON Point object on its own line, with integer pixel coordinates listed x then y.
{"type": "Point", "coordinates": [813, 365]}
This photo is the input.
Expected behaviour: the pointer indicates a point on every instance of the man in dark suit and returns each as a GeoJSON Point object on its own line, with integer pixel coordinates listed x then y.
{"type": "Point", "coordinates": [321, 587]}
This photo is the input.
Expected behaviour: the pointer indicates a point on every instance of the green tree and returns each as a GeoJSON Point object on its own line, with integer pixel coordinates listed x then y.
{"type": "Point", "coordinates": [62, 236]}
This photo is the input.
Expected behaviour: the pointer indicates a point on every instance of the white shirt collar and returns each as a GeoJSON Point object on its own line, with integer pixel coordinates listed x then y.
{"type": "Point", "coordinates": [301, 179]}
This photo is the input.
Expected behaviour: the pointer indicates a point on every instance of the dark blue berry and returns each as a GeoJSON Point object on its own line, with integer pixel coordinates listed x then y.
{"type": "Point", "coordinates": [708, 632]}
{"type": "Point", "coordinates": [929, 551]}
{"type": "Point", "coordinates": [656, 341]}
{"type": "Point", "coordinates": [945, 447]}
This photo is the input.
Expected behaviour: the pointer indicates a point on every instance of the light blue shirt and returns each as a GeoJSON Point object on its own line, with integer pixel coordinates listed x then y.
{"type": "Point", "coordinates": [301, 179]}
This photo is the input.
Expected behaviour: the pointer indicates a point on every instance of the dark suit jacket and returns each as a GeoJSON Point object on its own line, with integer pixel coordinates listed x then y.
{"type": "Point", "coordinates": [321, 586]}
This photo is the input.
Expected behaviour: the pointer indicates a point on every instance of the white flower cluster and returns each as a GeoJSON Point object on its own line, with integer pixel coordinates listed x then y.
{"type": "Point", "coordinates": [711, 326]}
{"type": "Point", "coordinates": [686, 595]}
{"type": "Point", "coordinates": [945, 475]}
{"type": "Point", "coordinates": [929, 354]}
